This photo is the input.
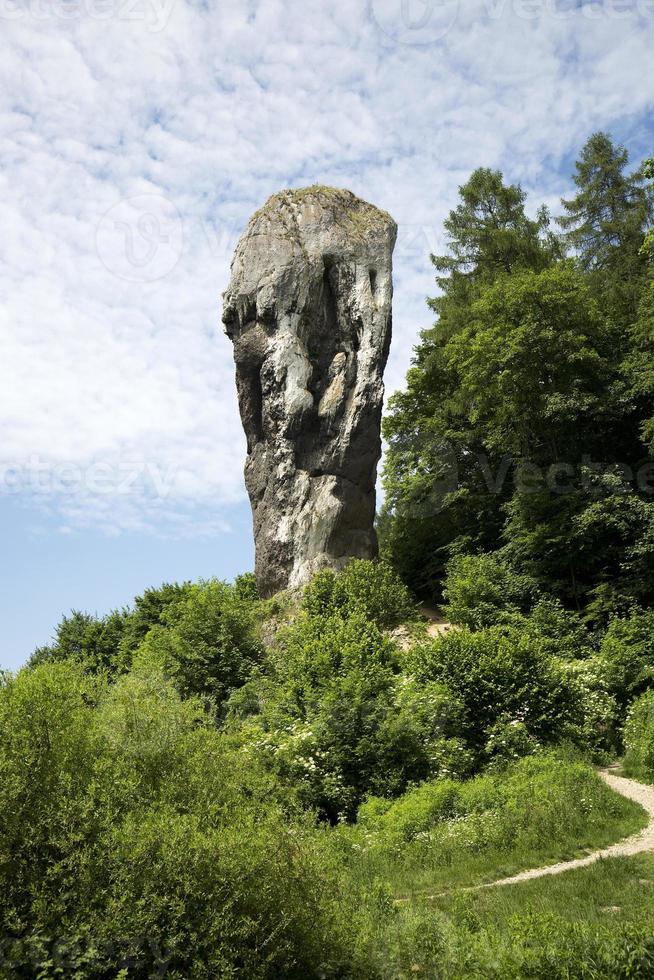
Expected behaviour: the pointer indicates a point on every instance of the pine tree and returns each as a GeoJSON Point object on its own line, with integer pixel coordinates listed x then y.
{"type": "Point", "coordinates": [605, 224]}
{"type": "Point", "coordinates": [437, 496]}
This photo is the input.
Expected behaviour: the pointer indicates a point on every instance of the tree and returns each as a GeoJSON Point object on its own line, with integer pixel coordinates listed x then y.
{"type": "Point", "coordinates": [605, 223]}
{"type": "Point", "coordinates": [532, 366]}
{"type": "Point", "coordinates": [436, 493]}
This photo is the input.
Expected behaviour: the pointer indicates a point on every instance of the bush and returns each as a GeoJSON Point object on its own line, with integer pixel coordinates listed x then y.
{"type": "Point", "coordinates": [497, 674]}
{"type": "Point", "coordinates": [596, 722]}
{"type": "Point", "coordinates": [335, 720]}
{"type": "Point", "coordinates": [531, 803]}
{"type": "Point", "coordinates": [627, 651]}
{"type": "Point", "coordinates": [135, 838]}
{"type": "Point", "coordinates": [481, 591]}
{"type": "Point", "coordinates": [209, 642]}
{"type": "Point", "coordinates": [367, 588]}
{"type": "Point", "coordinates": [639, 737]}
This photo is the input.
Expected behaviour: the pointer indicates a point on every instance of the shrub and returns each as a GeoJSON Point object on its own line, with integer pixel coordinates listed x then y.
{"type": "Point", "coordinates": [367, 588]}
{"type": "Point", "coordinates": [627, 650]}
{"type": "Point", "coordinates": [481, 591]}
{"type": "Point", "coordinates": [530, 803]}
{"type": "Point", "coordinates": [136, 838]}
{"type": "Point", "coordinates": [596, 719]}
{"type": "Point", "coordinates": [497, 673]}
{"type": "Point", "coordinates": [245, 587]}
{"type": "Point", "coordinates": [336, 721]}
{"type": "Point", "coordinates": [639, 737]}
{"type": "Point", "coordinates": [209, 643]}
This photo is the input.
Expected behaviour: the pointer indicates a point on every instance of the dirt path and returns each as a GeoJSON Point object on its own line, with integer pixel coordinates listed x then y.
{"type": "Point", "coordinates": [437, 625]}
{"type": "Point", "coordinates": [643, 841]}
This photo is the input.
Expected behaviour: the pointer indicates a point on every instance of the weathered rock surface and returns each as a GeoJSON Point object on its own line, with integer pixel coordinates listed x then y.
{"type": "Point", "coordinates": [308, 310]}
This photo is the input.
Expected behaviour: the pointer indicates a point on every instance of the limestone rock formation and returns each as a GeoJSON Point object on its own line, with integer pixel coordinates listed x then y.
{"type": "Point", "coordinates": [308, 310]}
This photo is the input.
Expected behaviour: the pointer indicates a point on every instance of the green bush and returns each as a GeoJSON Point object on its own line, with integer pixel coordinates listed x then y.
{"type": "Point", "coordinates": [497, 674]}
{"type": "Point", "coordinates": [596, 717]}
{"type": "Point", "coordinates": [481, 591]}
{"type": "Point", "coordinates": [335, 720]}
{"type": "Point", "coordinates": [209, 642]}
{"type": "Point", "coordinates": [639, 737]}
{"type": "Point", "coordinates": [367, 588]}
{"type": "Point", "coordinates": [447, 834]}
{"type": "Point", "coordinates": [538, 798]}
{"type": "Point", "coordinates": [627, 650]}
{"type": "Point", "coordinates": [137, 839]}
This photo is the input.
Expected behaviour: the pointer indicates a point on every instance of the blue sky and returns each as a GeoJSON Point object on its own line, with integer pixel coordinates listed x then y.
{"type": "Point", "coordinates": [137, 137]}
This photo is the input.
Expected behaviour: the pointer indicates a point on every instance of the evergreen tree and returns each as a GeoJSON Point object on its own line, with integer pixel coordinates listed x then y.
{"type": "Point", "coordinates": [605, 223]}
{"type": "Point", "coordinates": [437, 495]}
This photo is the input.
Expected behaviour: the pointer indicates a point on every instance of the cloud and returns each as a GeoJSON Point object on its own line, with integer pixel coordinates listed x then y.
{"type": "Point", "coordinates": [138, 137]}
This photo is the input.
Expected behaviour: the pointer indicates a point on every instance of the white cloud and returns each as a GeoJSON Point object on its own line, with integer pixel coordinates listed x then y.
{"type": "Point", "coordinates": [110, 341]}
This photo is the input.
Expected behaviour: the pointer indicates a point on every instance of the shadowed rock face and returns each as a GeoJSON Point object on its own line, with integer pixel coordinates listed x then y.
{"type": "Point", "coordinates": [308, 310]}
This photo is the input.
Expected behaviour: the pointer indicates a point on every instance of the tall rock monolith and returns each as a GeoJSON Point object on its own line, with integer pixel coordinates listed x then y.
{"type": "Point", "coordinates": [308, 309]}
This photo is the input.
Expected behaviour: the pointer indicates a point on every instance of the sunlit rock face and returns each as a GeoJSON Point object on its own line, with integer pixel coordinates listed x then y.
{"type": "Point", "coordinates": [308, 309]}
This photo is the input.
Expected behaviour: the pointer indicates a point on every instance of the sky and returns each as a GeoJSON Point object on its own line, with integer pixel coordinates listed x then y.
{"type": "Point", "coordinates": [136, 139]}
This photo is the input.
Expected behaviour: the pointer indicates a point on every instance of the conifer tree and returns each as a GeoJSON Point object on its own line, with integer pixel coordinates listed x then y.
{"type": "Point", "coordinates": [605, 223]}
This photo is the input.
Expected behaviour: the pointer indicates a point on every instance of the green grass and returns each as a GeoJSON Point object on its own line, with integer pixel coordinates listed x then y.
{"type": "Point", "coordinates": [412, 861]}
{"type": "Point", "coordinates": [596, 922]}
{"type": "Point", "coordinates": [447, 835]}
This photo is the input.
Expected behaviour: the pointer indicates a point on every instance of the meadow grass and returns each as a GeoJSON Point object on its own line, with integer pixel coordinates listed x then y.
{"type": "Point", "coordinates": [590, 923]}
{"type": "Point", "coordinates": [446, 834]}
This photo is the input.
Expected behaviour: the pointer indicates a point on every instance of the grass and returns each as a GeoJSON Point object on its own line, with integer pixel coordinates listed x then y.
{"type": "Point", "coordinates": [448, 835]}
{"type": "Point", "coordinates": [427, 847]}
{"type": "Point", "coordinates": [596, 922]}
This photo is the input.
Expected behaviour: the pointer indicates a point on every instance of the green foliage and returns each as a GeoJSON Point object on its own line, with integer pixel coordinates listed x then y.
{"type": "Point", "coordinates": [133, 832]}
{"type": "Point", "coordinates": [490, 233]}
{"type": "Point", "coordinates": [482, 591]}
{"type": "Point", "coordinates": [499, 674]}
{"type": "Point", "coordinates": [335, 720]}
{"type": "Point", "coordinates": [209, 642]}
{"type": "Point", "coordinates": [445, 835]}
{"type": "Point", "coordinates": [627, 652]}
{"type": "Point", "coordinates": [369, 589]}
{"type": "Point", "coordinates": [639, 738]}
{"type": "Point", "coordinates": [606, 221]}
{"type": "Point", "coordinates": [149, 610]}
{"type": "Point", "coordinates": [245, 587]}
{"type": "Point", "coordinates": [594, 924]}
{"type": "Point", "coordinates": [436, 493]}
{"type": "Point", "coordinates": [529, 797]}
{"type": "Point", "coordinates": [597, 718]}
{"type": "Point", "coordinates": [521, 427]}
{"type": "Point", "coordinates": [529, 364]}
{"type": "Point", "coordinates": [142, 832]}
{"type": "Point", "coordinates": [87, 639]}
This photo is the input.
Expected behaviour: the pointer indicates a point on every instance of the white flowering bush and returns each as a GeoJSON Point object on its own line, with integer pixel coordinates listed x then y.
{"type": "Point", "coordinates": [639, 737]}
